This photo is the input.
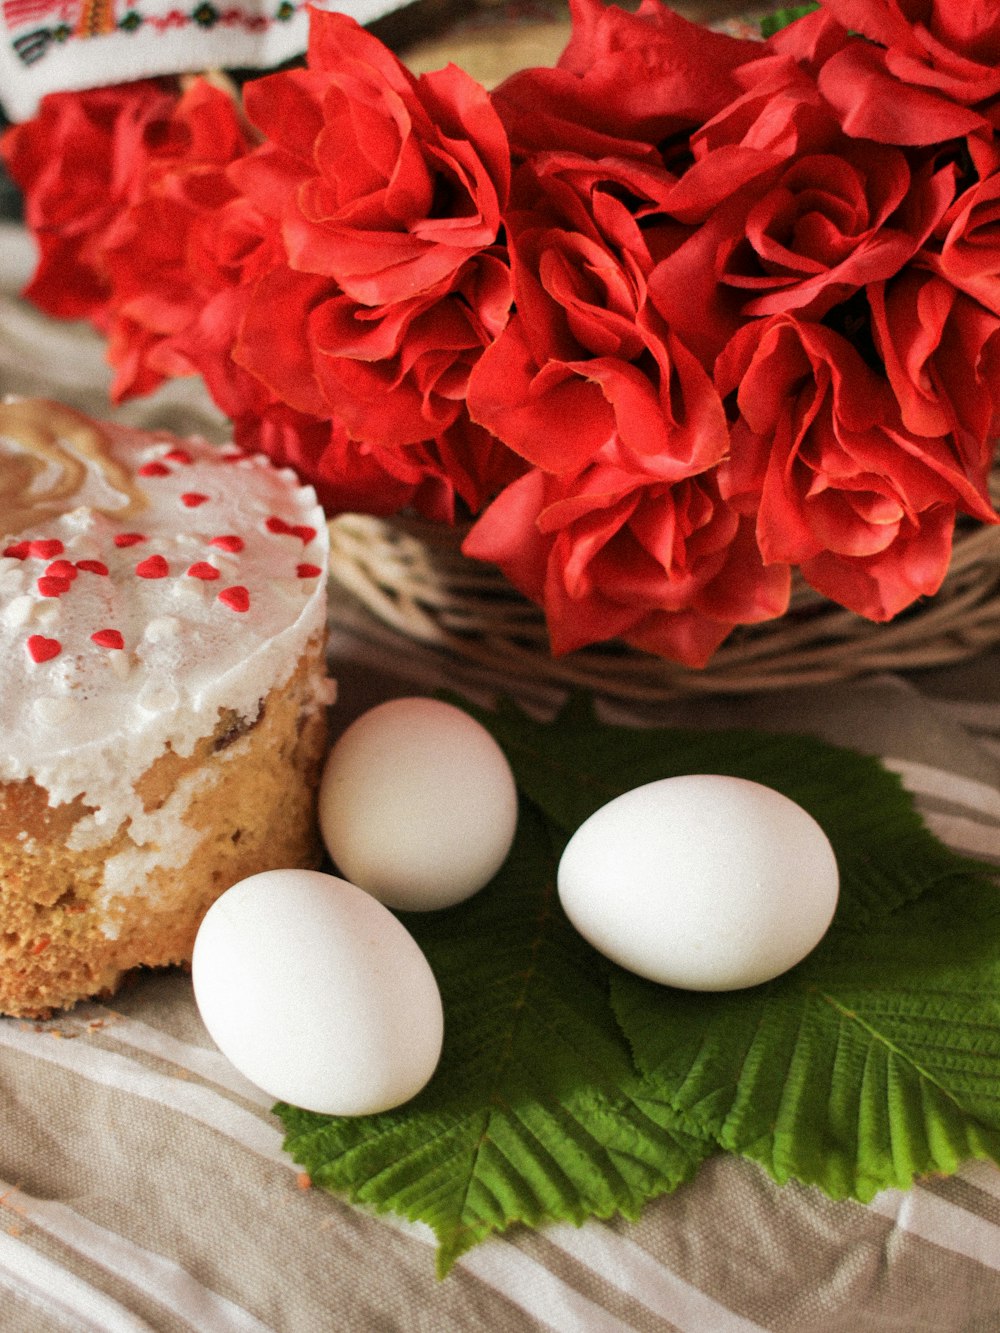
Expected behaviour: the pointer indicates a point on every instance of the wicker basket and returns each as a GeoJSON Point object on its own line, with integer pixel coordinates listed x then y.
{"type": "Point", "coordinates": [411, 575]}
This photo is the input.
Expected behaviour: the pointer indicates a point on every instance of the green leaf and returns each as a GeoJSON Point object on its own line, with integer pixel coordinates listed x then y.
{"type": "Point", "coordinates": [875, 1061]}
{"type": "Point", "coordinates": [781, 18]}
{"type": "Point", "coordinates": [569, 1088]}
{"type": "Point", "coordinates": [878, 1058]}
{"type": "Point", "coordinates": [532, 1114]}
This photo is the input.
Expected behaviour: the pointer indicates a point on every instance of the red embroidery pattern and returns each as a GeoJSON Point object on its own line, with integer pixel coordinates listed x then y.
{"type": "Point", "coordinates": [35, 25]}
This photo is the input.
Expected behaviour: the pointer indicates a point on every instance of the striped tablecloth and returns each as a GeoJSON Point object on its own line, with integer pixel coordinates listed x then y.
{"type": "Point", "coordinates": [143, 1184]}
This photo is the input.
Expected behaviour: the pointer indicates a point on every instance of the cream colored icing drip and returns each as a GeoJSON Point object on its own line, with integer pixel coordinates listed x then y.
{"type": "Point", "coordinates": [54, 459]}
{"type": "Point", "coordinates": [89, 721]}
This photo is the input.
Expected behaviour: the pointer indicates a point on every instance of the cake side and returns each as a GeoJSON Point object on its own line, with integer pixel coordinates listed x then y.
{"type": "Point", "coordinates": [74, 922]}
{"type": "Point", "coordinates": [163, 711]}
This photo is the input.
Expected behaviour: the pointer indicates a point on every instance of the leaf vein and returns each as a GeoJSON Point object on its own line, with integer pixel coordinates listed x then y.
{"type": "Point", "coordinates": [881, 1039]}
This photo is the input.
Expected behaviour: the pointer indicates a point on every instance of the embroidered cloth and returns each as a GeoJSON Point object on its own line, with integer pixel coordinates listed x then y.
{"type": "Point", "coordinates": [54, 45]}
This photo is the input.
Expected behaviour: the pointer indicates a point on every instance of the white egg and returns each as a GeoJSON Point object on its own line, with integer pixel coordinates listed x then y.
{"type": "Point", "coordinates": [317, 993]}
{"type": "Point", "coordinates": [702, 881]}
{"type": "Point", "coordinates": [417, 804]}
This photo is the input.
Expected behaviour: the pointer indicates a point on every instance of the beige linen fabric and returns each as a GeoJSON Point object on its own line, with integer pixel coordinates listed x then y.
{"type": "Point", "coordinates": [142, 1181]}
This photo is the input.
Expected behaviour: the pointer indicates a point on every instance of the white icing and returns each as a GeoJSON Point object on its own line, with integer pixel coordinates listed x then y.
{"type": "Point", "coordinates": [88, 722]}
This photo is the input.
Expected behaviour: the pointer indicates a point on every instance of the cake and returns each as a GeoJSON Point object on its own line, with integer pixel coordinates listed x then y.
{"type": "Point", "coordinates": [163, 694]}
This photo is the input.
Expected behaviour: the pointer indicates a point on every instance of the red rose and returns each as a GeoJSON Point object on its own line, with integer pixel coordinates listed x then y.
{"type": "Point", "coordinates": [398, 374]}
{"type": "Point", "coordinates": [798, 216]}
{"type": "Point", "coordinates": [811, 40]}
{"type": "Point", "coordinates": [163, 260]}
{"type": "Point", "coordinates": [942, 355]}
{"type": "Point", "coordinates": [394, 375]}
{"type": "Point", "coordinates": [922, 74]}
{"type": "Point", "coordinates": [586, 362]}
{"type": "Point", "coordinates": [207, 345]}
{"type": "Point", "coordinates": [354, 477]}
{"type": "Point", "coordinates": [969, 256]}
{"type": "Point", "coordinates": [839, 486]}
{"type": "Point", "coordinates": [625, 82]}
{"type": "Point", "coordinates": [932, 43]}
{"type": "Point", "coordinates": [783, 212]}
{"type": "Point", "coordinates": [385, 183]}
{"type": "Point", "coordinates": [227, 249]}
{"type": "Point", "coordinates": [387, 190]}
{"type": "Point", "coordinates": [80, 163]}
{"type": "Point", "coordinates": [133, 260]}
{"type": "Point", "coordinates": [669, 568]}
{"type": "Point", "coordinates": [309, 446]}
{"type": "Point", "coordinates": [831, 223]}
{"type": "Point", "coordinates": [348, 476]}
{"type": "Point", "coordinates": [779, 114]}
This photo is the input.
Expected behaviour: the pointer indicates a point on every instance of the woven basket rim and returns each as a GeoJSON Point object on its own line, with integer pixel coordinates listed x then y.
{"type": "Point", "coordinates": [411, 575]}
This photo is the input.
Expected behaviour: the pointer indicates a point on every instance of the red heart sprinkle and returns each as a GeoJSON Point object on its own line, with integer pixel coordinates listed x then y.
{"type": "Point", "coordinates": [153, 567]}
{"type": "Point", "coordinates": [129, 538]}
{"type": "Point", "coordinates": [43, 649]}
{"type": "Point", "coordinates": [235, 457]}
{"type": "Point", "coordinates": [308, 571]}
{"type": "Point", "coordinates": [281, 528]}
{"type": "Point", "coordinates": [236, 598]}
{"type": "Point", "coordinates": [18, 550]}
{"type": "Point", "coordinates": [154, 470]}
{"type": "Point", "coordinates": [228, 542]}
{"type": "Point", "coordinates": [201, 569]}
{"type": "Point", "coordinates": [92, 566]}
{"type": "Point", "coordinates": [46, 548]}
{"type": "Point", "coordinates": [192, 499]}
{"type": "Point", "coordinates": [108, 638]}
{"type": "Point", "coordinates": [62, 569]}
{"type": "Point", "coordinates": [50, 586]}
{"type": "Point", "coordinates": [178, 456]}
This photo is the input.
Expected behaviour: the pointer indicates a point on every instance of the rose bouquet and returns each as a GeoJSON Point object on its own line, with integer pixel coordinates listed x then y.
{"type": "Point", "coordinates": [662, 324]}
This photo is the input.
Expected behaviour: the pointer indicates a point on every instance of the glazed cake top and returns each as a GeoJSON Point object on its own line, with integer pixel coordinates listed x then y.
{"type": "Point", "coordinates": [146, 583]}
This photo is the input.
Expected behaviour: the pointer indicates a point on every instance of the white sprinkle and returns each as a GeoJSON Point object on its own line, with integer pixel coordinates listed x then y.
{"type": "Point", "coordinates": [158, 696]}
{"type": "Point", "coordinates": [163, 627]}
{"type": "Point", "coordinates": [190, 590]}
{"type": "Point", "coordinates": [225, 561]}
{"type": "Point", "coordinates": [11, 586]}
{"type": "Point", "coordinates": [54, 711]}
{"type": "Point", "coordinates": [18, 612]}
{"type": "Point", "coordinates": [120, 663]}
